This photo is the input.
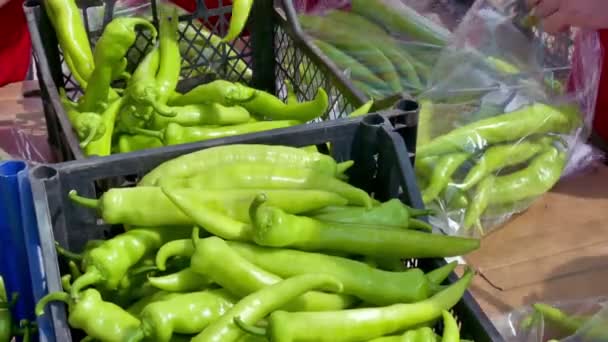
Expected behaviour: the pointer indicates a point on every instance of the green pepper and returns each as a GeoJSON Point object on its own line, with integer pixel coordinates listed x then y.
{"type": "Point", "coordinates": [136, 308]}
{"type": "Point", "coordinates": [442, 173]}
{"type": "Point", "coordinates": [275, 228]}
{"type": "Point", "coordinates": [117, 38]}
{"type": "Point", "coordinates": [480, 202]}
{"type": "Point", "coordinates": [359, 324]}
{"type": "Point", "coordinates": [360, 280]}
{"type": "Point", "coordinates": [175, 134]}
{"type": "Point", "coordinates": [568, 325]}
{"type": "Point", "coordinates": [103, 146]}
{"type": "Point", "coordinates": [204, 114]}
{"type": "Point", "coordinates": [182, 281]}
{"type": "Point", "coordinates": [392, 213]}
{"type": "Point", "coordinates": [101, 320]}
{"type": "Point", "coordinates": [72, 37]}
{"type": "Point", "coordinates": [269, 106]}
{"type": "Point", "coordinates": [362, 110]}
{"type": "Point", "coordinates": [539, 177]}
{"type": "Point", "coordinates": [451, 333]}
{"type": "Point", "coordinates": [132, 143]}
{"type": "Point", "coordinates": [358, 71]}
{"type": "Point", "coordinates": [170, 58]}
{"type": "Point", "coordinates": [155, 209]}
{"type": "Point", "coordinates": [259, 304]}
{"type": "Point", "coordinates": [110, 262]}
{"type": "Point", "coordinates": [7, 329]}
{"type": "Point", "coordinates": [498, 157]}
{"type": "Point", "coordinates": [257, 175]}
{"type": "Point", "coordinates": [531, 120]}
{"type": "Point", "coordinates": [219, 91]}
{"type": "Point", "coordinates": [240, 14]}
{"type": "Point", "coordinates": [438, 275]}
{"type": "Point", "coordinates": [193, 163]}
{"type": "Point", "coordinates": [243, 277]}
{"type": "Point", "coordinates": [185, 314]}
{"type": "Point", "coordinates": [88, 125]}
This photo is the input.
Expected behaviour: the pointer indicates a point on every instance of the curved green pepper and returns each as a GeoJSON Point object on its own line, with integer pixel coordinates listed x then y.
{"type": "Point", "coordinates": [442, 174]}
{"type": "Point", "coordinates": [170, 59]}
{"type": "Point", "coordinates": [175, 134]}
{"type": "Point", "coordinates": [240, 14]}
{"type": "Point", "coordinates": [273, 227]}
{"type": "Point", "coordinates": [219, 91]}
{"type": "Point", "coordinates": [358, 324]}
{"type": "Point", "coordinates": [103, 146]}
{"type": "Point", "coordinates": [267, 105]}
{"type": "Point", "coordinates": [259, 304]}
{"type": "Point", "coordinates": [101, 320]}
{"type": "Point", "coordinates": [193, 163]}
{"type": "Point", "coordinates": [182, 281]}
{"type": "Point", "coordinates": [203, 114]}
{"type": "Point", "coordinates": [243, 277]}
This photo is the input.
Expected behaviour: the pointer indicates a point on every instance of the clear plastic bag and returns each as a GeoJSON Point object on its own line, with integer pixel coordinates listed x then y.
{"type": "Point", "coordinates": [502, 117]}
{"type": "Point", "coordinates": [384, 47]}
{"type": "Point", "coordinates": [580, 321]}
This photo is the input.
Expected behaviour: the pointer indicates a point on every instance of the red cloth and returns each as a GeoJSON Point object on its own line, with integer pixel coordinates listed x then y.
{"type": "Point", "coordinates": [600, 123]}
{"type": "Point", "coordinates": [15, 45]}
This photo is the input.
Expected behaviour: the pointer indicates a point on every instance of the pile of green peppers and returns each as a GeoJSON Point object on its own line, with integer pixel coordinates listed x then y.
{"type": "Point", "coordinates": [8, 327]}
{"type": "Point", "coordinates": [149, 112]}
{"type": "Point", "coordinates": [494, 164]}
{"type": "Point", "coordinates": [281, 244]}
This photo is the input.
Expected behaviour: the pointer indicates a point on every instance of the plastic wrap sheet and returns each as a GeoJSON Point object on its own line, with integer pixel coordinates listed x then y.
{"type": "Point", "coordinates": [503, 117]}
{"type": "Point", "coordinates": [568, 321]}
{"type": "Point", "coordinates": [385, 47]}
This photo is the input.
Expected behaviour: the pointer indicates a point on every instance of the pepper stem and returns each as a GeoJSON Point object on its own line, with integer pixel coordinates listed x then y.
{"type": "Point", "coordinates": [67, 254]}
{"type": "Point", "coordinates": [51, 297]}
{"type": "Point", "coordinates": [148, 132]}
{"type": "Point", "coordinates": [66, 282]}
{"type": "Point", "coordinates": [195, 237]}
{"type": "Point", "coordinates": [255, 205]}
{"type": "Point", "coordinates": [90, 137]}
{"type": "Point", "coordinates": [85, 202]}
{"type": "Point", "coordinates": [74, 270]}
{"type": "Point", "coordinates": [344, 166]}
{"type": "Point", "coordinates": [90, 277]}
{"type": "Point", "coordinates": [248, 328]}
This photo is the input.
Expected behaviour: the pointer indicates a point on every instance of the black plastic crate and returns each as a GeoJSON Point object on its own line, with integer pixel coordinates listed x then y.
{"type": "Point", "coordinates": [381, 167]}
{"type": "Point", "coordinates": [270, 50]}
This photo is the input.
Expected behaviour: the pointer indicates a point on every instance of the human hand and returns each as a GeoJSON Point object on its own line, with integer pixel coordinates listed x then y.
{"type": "Point", "coordinates": [559, 15]}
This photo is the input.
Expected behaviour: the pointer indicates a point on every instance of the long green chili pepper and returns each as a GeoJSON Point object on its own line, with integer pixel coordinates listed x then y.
{"type": "Point", "coordinates": [480, 202]}
{"type": "Point", "coordinates": [101, 320]}
{"type": "Point", "coordinates": [358, 71]}
{"type": "Point", "coordinates": [532, 120]}
{"type": "Point", "coordinates": [188, 313]}
{"type": "Point", "coordinates": [451, 332]}
{"type": "Point", "coordinates": [193, 163]}
{"type": "Point", "coordinates": [256, 175]}
{"type": "Point", "coordinates": [170, 58]}
{"type": "Point", "coordinates": [498, 157]}
{"type": "Point", "coordinates": [182, 281]}
{"type": "Point", "coordinates": [275, 228]}
{"type": "Point", "coordinates": [392, 213]}
{"type": "Point", "coordinates": [267, 105]}
{"type": "Point", "coordinates": [359, 324]}
{"type": "Point", "coordinates": [539, 177]}
{"type": "Point", "coordinates": [243, 277]}
{"type": "Point", "coordinates": [362, 110]}
{"type": "Point", "coordinates": [142, 90]}
{"type": "Point", "coordinates": [72, 37]}
{"type": "Point", "coordinates": [117, 38]}
{"type": "Point", "coordinates": [359, 279]}
{"type": "Point", "coordinates": [175, 134]}
{"type": "Point", "coordinates": [438, 275]}
{"type": "Point", "coordinates": [219, 91]}
{"type": "Point", "coordinates": [110, 262]}
{"type": "Point", "coordinates": [442, 173]}
{"type": "Point", "coordinates": [567, 324]}
{"type": "Point", "coordinates": [155, 209]}
{"type": "Point", "coordinates": [204, 114]}
{"type": "Point", "coordinates": [88, 125]}
{"type": "Point", "coordinates": [103, 146]}
{"type": "Point", "coordinates": [240, 14]}
{"type": "Point", "coordinates": [258, 305]}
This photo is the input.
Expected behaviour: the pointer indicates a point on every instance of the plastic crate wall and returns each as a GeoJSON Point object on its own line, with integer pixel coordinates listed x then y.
{"type": "Point", "coordinates": [267, 48]}
{"type": "Point", "coordinates": [381, 168]}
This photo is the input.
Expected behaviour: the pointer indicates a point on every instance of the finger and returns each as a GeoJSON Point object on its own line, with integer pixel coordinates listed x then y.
{"type": "Point", "coordinates": [546, 8]}
{"type": "Point", "coordinates": [556, 23]}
